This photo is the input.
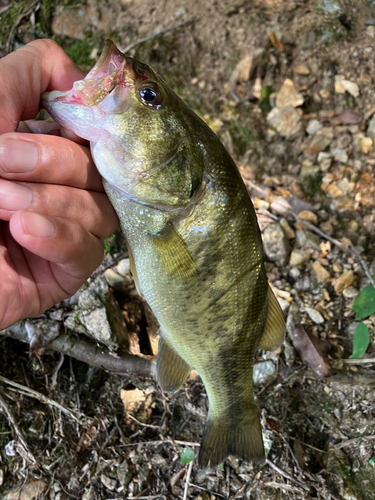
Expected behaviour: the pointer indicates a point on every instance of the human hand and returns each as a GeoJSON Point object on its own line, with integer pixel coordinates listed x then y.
{"type": "Point", "coordinates": [53, 210]}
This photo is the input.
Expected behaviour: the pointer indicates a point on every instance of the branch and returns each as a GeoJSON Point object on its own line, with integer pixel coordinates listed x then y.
{"type": "Point", "coordinates": [91, 354]}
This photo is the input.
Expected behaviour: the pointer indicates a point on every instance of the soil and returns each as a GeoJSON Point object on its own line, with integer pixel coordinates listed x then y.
{"type": "Point", "coordinates": [119, 435]}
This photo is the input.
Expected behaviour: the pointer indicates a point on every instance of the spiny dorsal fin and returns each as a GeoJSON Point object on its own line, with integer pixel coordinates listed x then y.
{"type": "Point", "coordinates": [274, 331]}
{"type": "Point", "coordinates": [172, 370]}
{"type": "Point", "coordinates": [133, 270]}
{"type": "Point", "coordinates": [173, 253]}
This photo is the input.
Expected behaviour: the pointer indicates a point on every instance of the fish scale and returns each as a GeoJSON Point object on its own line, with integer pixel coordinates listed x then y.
{"type": "Point", "coordinates": [193, 239]}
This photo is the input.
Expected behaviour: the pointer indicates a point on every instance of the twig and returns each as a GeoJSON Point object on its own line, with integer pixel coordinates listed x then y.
{"type": "Point", "coordinates": [91, 354]}
{"type": "Point", "coordinates": [347, 249]}
{"type": "Point", "coordinates": [205, 489]}
{"type": "Point", "coordinates": [362, 361]}
{"type": "Point", "coordinates": [41, 397]}
{"type": "Point", "coordinates": [56, 371]}
{"type": "Point", "coordinates": [160, 33]}
{"type": "Point", "coordinates": [32, 8]}
{"type": "Point", "coordinates": [10, 417]}
{"type": "Point", "coordinates": [157, 443]}
{"type": "Point", "coordinates": [140, 423]}
{"type": "Point", "coordinates": [344, 444]}
{"type": "Point", "coordinates": [188, 474]}
{"type": "Point", "coordinates": [286, 475]}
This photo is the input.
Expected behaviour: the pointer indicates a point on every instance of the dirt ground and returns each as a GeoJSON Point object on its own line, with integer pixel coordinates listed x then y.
{"type": "Point", "coordinates": [69, 430]}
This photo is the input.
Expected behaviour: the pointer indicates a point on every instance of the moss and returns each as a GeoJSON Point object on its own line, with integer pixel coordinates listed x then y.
{"type": "Point", "coordinates": [114, 243]}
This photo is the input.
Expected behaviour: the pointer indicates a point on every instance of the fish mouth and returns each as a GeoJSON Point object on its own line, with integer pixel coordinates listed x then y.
{"type": "Point", "coordinates": [111, 69]}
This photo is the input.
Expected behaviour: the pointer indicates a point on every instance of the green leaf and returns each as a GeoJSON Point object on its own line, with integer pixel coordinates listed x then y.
{"type": "Point", "coordinates": [361, 341]}
{"type": "Point", "coordinates": [187, 455]}
{"type": "Point", "coordinates": [372, 461]}
{"type": "Point", "coordinates": [364, 304]}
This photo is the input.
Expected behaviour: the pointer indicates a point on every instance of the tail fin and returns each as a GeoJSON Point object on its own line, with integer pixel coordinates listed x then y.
{"type": "Point", "coordinates": [241, 438]}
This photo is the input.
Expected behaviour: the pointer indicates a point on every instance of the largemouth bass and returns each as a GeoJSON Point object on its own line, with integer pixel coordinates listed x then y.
{"type": "Point", "coordinates": [193, 239]}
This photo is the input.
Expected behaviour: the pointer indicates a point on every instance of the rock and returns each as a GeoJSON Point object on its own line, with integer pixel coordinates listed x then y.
{"type": "Point", "coordinates": [294, 272]}
{"type": "Point", "coordinates": [309, 216]}
{"type": "Point", "coordinates": [289, 233]}
{"type": "Point", "coordinates": [350, 293]}
{"type": "Point", "coordinates": [314, 315]}
{"type": "Point", "coordinates": [302, 70]}
{"type": "Point", "coordinates": [343, 141]}
{"type": "Point", "coordinates": [342, 85]}
{"type": "Point", "coordinates": [298, 257]}
{"type": "Point", "coordinates": [243, 68]}
{"type": "Point", "coordinates": [320, 141]}
{"type": "Point", "coordinates": [288, 96]}
{"type": "Point", "coordinates": [366, 145]}
{"type": "Point", "coordinates": [303, 283]}
{"type": "Point", "coordinates": [309, 171]}
{"type": "Point", "coordinates": [276, 244]}
{"type": "Point", "coordinates": [313, 127]}
{"type": "Point", "coordinates": [321, 272]}
{"type": "Point", "coordinates": [123, 267]}
{"type": "Point", "coordinates": [307, 239]}
{"type": "Point", "coordinates": [293, 319]}
{"type": "Point", "coordinates": [263, 371]}
{"type": "Point", "coordinates": [339, 155]}
{"type": "Point", "coordinates": [112, 277]}
{"type": "Point", "coordinates": [286, 121]}
{"type": "Point", "coordinates": [345, 280]}
{"type": "Point", "coordinates": [371, 128]}
{"type": "Point", "coordinates": [100, 316]}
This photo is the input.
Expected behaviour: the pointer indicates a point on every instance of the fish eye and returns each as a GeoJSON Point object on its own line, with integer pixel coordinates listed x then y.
{"type": "Point", "coordinates": [150, 95]}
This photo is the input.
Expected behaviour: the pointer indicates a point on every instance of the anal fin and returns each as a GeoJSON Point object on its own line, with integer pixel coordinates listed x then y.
{"type": "Point", "coordinates": [274, 331]}
{"type": "Point", "coordinates": [171, 369]}
{"type": "Point", "coordinates": [173, 253]}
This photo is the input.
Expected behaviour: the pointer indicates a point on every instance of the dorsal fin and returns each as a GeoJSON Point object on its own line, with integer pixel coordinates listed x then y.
{"type": "Point", "coordinates": [274, 331]}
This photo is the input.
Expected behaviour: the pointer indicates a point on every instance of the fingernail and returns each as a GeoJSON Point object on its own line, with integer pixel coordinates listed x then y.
{"type": "Point", "coordinates": [37, 225]}
{"type": "Point", "coordinates": [17, 156]}
{"type": "Point", "coordinates": [14, 196]}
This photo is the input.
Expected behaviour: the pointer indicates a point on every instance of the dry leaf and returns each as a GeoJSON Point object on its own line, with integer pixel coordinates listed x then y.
{"type": "Point", "coordinates": [312, 350]}
{"type": "Point", "coordinates": [30, 491]}
{"type": "Point", "coordinates": [275, 41]}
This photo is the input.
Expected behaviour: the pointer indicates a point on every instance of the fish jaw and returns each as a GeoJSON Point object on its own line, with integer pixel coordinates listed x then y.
{"type": "Point", "coordinates": [106, 90]}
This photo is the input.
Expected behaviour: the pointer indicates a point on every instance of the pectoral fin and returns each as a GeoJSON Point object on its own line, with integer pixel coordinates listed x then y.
{"type": "Point", "coordinates": [133, 270]}
{"type": "Point", "coordinates": [173, 253]}
{"type": "Point", "coordinates": [274, 332]}
{"type": "Point", "coordinates": [172, 370]}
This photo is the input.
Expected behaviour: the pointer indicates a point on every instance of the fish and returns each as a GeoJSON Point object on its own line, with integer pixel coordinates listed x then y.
{"type": "Point", "coordinates": [194, 244]}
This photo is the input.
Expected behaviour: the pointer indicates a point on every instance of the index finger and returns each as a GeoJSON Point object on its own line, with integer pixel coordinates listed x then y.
{"type": "Point", "coordinates": [43, 67]}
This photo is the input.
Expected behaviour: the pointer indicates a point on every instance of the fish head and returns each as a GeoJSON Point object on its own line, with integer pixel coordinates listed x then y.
{"type": "Point", "coordinates": [138, 129]}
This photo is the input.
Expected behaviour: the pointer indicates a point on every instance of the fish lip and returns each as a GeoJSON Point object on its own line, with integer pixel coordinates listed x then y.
{"type": "Point", "coordinates": [110, 60]}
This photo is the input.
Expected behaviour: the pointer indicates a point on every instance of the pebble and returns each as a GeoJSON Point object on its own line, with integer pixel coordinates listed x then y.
{"type": "Point", "coordinates": [345, 280]}
{"type": "Point", "coordinates": [276, 244]}
{"type": "Point", "coordinates": [342, 85]}
{"type": "Point", "coordinates": [108, 482]}
{"type": "Point", "coordinates": [310, 171]}
{"type": "Point", "coordinates": [288, 95]}
{"type": "Point", "coordinates": [313, 127]}
{"type": "Point", "coordinates": [301, 69]}
{"type": "Point", "coordinates": [298, 257]}
{"type": "Point", "coordinates": [350, 293]}
{"type": "Point", "coordinates": [366, 145]}
{"type": "Point", "coordinates": [307, 239]}
{"type": "Point", "coordinates": [308, 216]}
{"type": "Point", "coordinates": [339, 155]}
{"type": "Point", "coordinates": [290, 234]}
{"type": "Point", "coordinates": [286, 121]}
{"type": "Point", "coordinates": [123, 267]}
{"type": "Point", "coordinates": [263, 371]}
{"type": "Point", "coordinates": [371, 128]}
{"type": "Point", "coordinates": [321, 272]}
{"type": "Point", "coordinates": [303, 283]}
{"type": "Point", "coordinates": [314, 315]}
{"type": "Point", "coordinates": [294, 272]}
{"type": "Point", "coordinates": [112, 277]}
